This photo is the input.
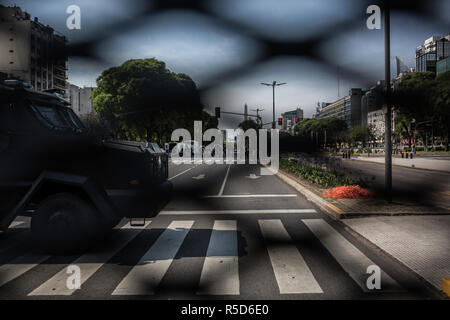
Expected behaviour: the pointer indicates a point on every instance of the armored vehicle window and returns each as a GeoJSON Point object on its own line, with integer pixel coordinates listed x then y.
{"type": "Point", "coordinates": [51, 115]}
{"type": "Point", "coordinates": [73, 119]}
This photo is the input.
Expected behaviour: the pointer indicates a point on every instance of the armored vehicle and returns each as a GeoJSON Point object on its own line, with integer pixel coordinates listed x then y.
{"type": "Point", "coordinates": [74, 185]}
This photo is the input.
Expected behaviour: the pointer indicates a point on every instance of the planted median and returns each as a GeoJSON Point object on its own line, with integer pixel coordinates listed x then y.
{"type": "Point", "coordinates": [326, 173]}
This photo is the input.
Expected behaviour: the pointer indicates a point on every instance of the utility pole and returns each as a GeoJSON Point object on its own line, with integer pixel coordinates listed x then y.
{"type": "Point", "coordinates": [273, 85]}
{"type": "Point", "coordinates": [388, 117]}
{"type": "Point", "coordinates": [258, 118]}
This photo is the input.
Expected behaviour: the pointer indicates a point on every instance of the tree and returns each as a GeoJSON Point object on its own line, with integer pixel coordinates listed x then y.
{"type": "Point", "coordinates": [208, 121]}
{"type": "Point", "coordinates": [414, 96]}
{"type": "Point", "coordinates": [141, 99]}
{"type": "Point", "coordinates": [330, 129]}
{"type": "Point", "coordinates": [361, 134]}
{"type": "Point", "coordinates": [441, 114]}
{"type": "Point", "coordinates": [249, 124]}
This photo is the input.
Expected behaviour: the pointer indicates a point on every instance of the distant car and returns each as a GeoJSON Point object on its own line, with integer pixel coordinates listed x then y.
{"type": "Point", "coordinates": [75, 186]}
{"type": "Point", "coordinates": [191, 146]}
{"type": "Point", "coordinates": [168, 147]}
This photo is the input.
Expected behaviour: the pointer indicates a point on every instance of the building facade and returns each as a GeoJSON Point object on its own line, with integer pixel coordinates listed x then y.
{"type": "Point", "coordinates": [433, 50]}
{"type": "Point", "coordinates": [443, 66]}
{"type": "Point", "coordinates": [371, 101]}
{"type": "Point", "coordinates": [31, 51]}
{"type": "Point", "coordinates": [80, 99]}
{"type": "Point", "coordinates": [376, 121]}
{"type": "Point", "coordinates": [347, 109]}
{"type": "Point", "coordinates": [291, 118]}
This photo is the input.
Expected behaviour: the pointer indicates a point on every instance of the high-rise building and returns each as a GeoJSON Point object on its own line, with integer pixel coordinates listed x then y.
{"type": "Point", "coordinates": [80, 99]}
{"type": "Point", "coordinates": [371, 101]}
{"type": "Point", "coordinates": [291, 118]}
{"type": "Point", "coordinates": [442, 66]}
{"type": "Point", "coordinates": [433, 50]}
{"type": "Point", "coordinates": [28, 50]}
{"type": "Point", "coordinates": [376, 121]}
{"type": "Point", "coordinates": [347, 109]}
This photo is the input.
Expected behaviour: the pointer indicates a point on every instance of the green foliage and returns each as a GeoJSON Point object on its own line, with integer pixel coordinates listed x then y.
{"type": "Point", "coordinates": [442, 105]}
{"type": "Point", "coordinates": [334, 129]}
{"type": "Point", "coordinates": [141, 99]}
{"type": "Point", "coordinates": [362, 134]}
{"type": "Point", "coordinates": [423, 97]}
{"type": "Point", "coordinates": [249, 124]}
{"type": "Point", "coordinates": [414, 97]}
{"type": "Point", "coordinates": [318, 175]}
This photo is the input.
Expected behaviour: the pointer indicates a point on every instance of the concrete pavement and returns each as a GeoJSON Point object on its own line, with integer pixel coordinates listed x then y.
{"type": "Point", "coordinates": [421, 243]}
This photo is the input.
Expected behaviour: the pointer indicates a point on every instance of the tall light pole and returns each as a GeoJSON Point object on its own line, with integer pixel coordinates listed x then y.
{"type": "Point", "coordinates": [273, 85]}
{"type": "Point", "coordinates": [388, 117]}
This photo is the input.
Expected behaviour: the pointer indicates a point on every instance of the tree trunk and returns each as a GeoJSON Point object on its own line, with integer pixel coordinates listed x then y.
{"type": "Point", "coordinates": [149, 134]}
{"type": "Point", "coordinates": [446, 141]}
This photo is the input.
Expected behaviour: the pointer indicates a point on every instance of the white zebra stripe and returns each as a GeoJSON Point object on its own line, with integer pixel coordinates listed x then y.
{"type": "Point", "coordinates": [89, 263]}
{"type": "Point", "coordinates": [220, 273]}
{"type": "Point", "coordinates": [291, 271]}
{"type": "Point", "coordinates": [151, 268]}
{"type": "Point", "coordinates": [352, 260]}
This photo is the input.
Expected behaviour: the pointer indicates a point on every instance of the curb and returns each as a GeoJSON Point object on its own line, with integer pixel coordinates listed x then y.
{"type": "Point", "coordinates": [337, 213]}
{"type": "Point", "coordinates": [324, 205]}
{"type": "Point", "coordinates": [446, 286]}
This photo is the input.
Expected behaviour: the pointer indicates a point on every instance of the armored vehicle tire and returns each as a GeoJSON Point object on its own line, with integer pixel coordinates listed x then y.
{"type": "Point", "coordinates": [65, 224]}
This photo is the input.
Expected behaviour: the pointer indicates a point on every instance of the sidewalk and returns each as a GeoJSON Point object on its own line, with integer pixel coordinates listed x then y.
{"type": "Point", "coordinates": [419, 163]}
{"type": "Point", "coordinates": [420, 243]}
{"type": "Point", "coordinates": [418, 237]}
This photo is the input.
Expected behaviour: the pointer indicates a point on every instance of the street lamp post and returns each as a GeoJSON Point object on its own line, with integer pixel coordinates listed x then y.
{"type": "Point", "coordinates": [273, 85]}
{"type": "Point", "coordinates": [388, 117]}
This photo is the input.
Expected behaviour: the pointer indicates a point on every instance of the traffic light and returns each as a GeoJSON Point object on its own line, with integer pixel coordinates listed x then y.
{"type": "Point", "coordinates": [217, 112]}
{"type": "Point", "coordinates": [280, 121]}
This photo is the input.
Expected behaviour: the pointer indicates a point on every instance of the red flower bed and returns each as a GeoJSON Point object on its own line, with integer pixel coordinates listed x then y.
{"type": "Point", "coordinates": [348, 192]}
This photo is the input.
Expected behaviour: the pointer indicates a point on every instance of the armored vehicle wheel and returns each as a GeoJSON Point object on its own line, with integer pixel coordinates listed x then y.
{"type": "Point", "coordinates": [65, 224]}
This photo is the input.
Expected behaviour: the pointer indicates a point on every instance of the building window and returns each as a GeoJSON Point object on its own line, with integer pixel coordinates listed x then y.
{"type": "Point", "coordinates": [11, 39]}
{"type": "Point", "coordinates": [11, 51]}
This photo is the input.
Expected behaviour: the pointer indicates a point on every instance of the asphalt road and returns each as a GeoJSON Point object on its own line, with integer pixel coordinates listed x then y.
{"type": "Point", "coordinates": [228, 233]}
{"type": "Point", "coordinates": [408, 184]}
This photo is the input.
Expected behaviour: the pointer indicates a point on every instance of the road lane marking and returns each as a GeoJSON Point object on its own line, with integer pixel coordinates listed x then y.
{"type": "Point", "coordinates": [258, 211]}
{"type": "Point", "coordinates": [17, 224]}
{"type": "Point", "coordinates": [291, 271]}
{"type": "Point", "coordinates": [352, 260]}
{"type": "Point", "coordinates": [253, 196]}
{"type": "Point", "coordinates": [183, 172]}
{"type": "Point", "coordinates": [151, 268]}
{"type": "Point", "coordinates": [20, 265]}
{"type": "Point", "coordinates": [89, 263]}
{"type": "Point", "coordinates": [224, 181]}
{"type": "Point", "coordinates": [220, 273]}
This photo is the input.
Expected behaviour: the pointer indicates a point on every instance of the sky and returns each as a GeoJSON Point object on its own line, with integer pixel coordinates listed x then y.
{"type": "Point", "coordinates": [202, 47]}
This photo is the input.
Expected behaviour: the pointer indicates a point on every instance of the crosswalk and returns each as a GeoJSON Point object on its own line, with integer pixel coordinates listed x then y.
{"type": "Point", "coordinates": [219, 275]}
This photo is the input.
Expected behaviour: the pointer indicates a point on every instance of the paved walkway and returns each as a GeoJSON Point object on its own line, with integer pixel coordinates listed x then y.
{"type": "Point", "coordinates": [421, 243]}
{"type": "Point", "coordinates": [420, 163]}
